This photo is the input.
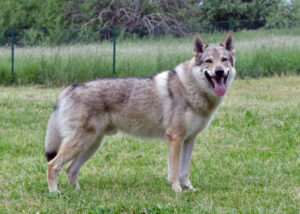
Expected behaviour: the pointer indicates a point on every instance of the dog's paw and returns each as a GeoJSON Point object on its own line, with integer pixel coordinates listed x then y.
{"type": "Point", "coordinates": [187, 185]}
{"type": "Point", "coordinates": [77, 186]}
{"type": "Point", "coordinates": [191, 188]}
{"type": "Point", "coordinates": [176, 187]}
{"type": "Point", "coordinates": [54, 191]}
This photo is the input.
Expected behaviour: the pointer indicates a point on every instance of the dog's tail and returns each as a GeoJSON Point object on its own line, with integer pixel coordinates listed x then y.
{"type": "Point", "coordinates": [53, 139]}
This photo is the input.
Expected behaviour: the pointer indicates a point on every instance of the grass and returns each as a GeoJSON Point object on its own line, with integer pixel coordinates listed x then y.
{"type": "Point", "coordinates": [246, 162]}
{"type": "Point", "coordinates": [259, 53]}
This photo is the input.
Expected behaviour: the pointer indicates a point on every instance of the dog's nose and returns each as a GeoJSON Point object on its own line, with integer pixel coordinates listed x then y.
{"type": "Point", "coordinates": [219, 71]}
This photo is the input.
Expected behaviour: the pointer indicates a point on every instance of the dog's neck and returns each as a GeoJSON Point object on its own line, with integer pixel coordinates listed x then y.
{"type": "Point", "coordinates": [200, 100]}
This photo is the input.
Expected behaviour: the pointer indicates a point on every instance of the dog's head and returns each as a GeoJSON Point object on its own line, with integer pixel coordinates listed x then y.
{"type": "Point", "coordinates": [214, 66]}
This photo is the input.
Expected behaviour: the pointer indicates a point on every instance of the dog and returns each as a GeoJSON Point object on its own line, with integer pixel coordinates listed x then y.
{"type": "Point", "coordinates": [175, 105]}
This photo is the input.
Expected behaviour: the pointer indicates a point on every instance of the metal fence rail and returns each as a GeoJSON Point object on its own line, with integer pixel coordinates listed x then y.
{"type": "Point", "coordinates": [12, 74]}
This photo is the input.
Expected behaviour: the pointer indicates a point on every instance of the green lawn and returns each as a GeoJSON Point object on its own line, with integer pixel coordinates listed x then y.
{"type": "Point", "coordinates": [248, 160]}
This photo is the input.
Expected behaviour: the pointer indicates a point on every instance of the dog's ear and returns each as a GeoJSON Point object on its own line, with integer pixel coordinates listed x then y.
{"type": "Point", "coordinates": [199, 45]}
{"type": "Point", "coordinates": [228, 42]}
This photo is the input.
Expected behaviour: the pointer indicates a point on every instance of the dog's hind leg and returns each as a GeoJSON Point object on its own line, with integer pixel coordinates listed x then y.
{"type": "Point", "coordinates": [70, 148]}
{"type": "Point", "coordinates": [186, 155]}
{"type": "Point", "coordinates": [73, 169]}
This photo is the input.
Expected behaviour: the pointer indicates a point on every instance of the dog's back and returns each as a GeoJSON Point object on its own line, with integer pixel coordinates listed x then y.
{"type": "Point", "coordinates": [104, 106]}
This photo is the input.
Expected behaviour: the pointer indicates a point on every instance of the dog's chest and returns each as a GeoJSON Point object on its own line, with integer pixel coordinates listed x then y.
{"type": "Point", "coordinates": [195, 123]}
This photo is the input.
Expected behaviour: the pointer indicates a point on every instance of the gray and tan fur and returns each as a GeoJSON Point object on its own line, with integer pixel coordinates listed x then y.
{"type": "Point", "coordinates": [176, 105]}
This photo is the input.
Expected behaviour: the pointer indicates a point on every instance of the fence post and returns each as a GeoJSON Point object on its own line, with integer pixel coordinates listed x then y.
{"type": "Point", "coordinates": [12, 72]}
{"type": "Point", "coordinates": [230, 24]}
{"type": "Point", "coordinates": [114, 50]}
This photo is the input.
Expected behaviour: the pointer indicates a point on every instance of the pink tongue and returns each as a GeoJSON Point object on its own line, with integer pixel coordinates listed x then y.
{"type": "Point", "coordinates": [219, 86]}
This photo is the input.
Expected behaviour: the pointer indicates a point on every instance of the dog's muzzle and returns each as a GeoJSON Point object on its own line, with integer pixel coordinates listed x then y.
{"type": "Point", "coordinates": [218, 80]}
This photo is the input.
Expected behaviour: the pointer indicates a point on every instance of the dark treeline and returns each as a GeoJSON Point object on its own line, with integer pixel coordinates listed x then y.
{"type": "Point", "coordinates": [60, 21]}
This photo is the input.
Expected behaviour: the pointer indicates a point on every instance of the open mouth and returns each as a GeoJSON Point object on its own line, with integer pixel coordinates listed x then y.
{"type": "Point", "coordinates": [217, 82]}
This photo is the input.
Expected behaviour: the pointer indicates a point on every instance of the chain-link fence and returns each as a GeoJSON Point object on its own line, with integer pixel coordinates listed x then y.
{"type": "Point", "coordinates": [61, 56]}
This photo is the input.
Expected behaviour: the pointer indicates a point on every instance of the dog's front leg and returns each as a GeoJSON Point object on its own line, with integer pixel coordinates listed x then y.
{"type": "Point", "coordinates": [186, 155]}
{"type": "Point", "coordinates": [174, 148]}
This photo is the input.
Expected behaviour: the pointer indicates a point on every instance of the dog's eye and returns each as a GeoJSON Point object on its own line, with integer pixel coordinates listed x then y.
{"type": "Point", "coordinates": [224, 59]}
{"type": "Point", "coordinates": [208, 61]}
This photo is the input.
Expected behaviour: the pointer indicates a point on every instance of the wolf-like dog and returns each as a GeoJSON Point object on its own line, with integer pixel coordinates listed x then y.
{"type": "Point", "coordinates": [176, 105]}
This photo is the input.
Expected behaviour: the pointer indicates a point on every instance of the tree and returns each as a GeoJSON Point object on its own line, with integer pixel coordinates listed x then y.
{"type": "Point", "coordinates": [220, 10]}
{"type": "Point", "coordinates": [142, 16]}
{"type": "Point", "coordinates": [24, 14]}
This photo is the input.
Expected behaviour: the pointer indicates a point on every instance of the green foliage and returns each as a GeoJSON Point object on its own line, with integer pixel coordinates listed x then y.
{"type": "Point", "coordinates": [287, 15]}
{"type": "Point", "coordinates": [46, 21]}
{"type": "Point", "coordinates": [295, 8]}
{"type": "Point", "coordinates": [35, 15]}
{"type": "Point", "coordinates": [218, 10]}
{"type": "Point", "coordinates": [31, 14]}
